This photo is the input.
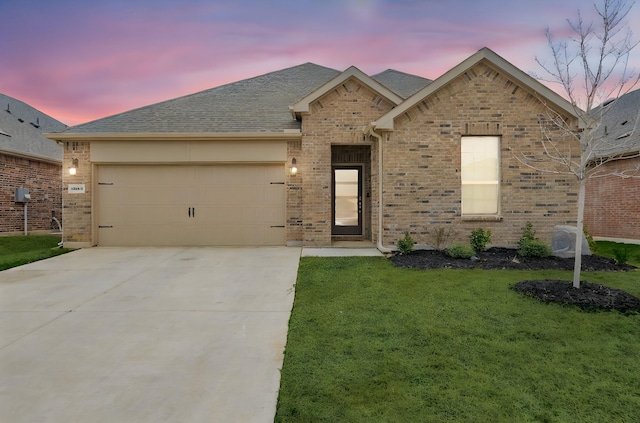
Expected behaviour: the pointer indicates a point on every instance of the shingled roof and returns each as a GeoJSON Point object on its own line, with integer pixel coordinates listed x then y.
{"type": "Point", "coordinates": [22, 128]}
{"type": "Point", "coordinates": [403, 84]}
{"type": "Point", "coordinates": [619, 129]}
{"type": "Point", "coordinates": [255, 105]}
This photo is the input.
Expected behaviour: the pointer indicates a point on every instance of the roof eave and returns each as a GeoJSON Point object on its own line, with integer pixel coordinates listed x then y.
{"type": "Point", "coordinates": [29, 156]}
{"type": "Point", "coordinates": [288, 135]}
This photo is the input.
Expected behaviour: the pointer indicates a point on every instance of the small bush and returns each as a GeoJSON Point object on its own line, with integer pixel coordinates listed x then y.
{"type": "Point", "coordinates": [441, 236]}
{"type": "Point", "coordinates": [592, 243]}
{"type": "Point", "coordinates": [534, 248]}
{"type": "Point", "coordinates": [621, 254]}
{"type": "Point", "coordinates": [460, 251]}
{"type": "Point", "coordinates": [528, 234]}
{"type": "Point", "coordinates": [480, 238]}
{"type": "Point", "coordinates": [405, 245]}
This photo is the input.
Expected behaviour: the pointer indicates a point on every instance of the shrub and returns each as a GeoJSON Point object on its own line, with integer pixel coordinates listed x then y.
{"type": "Point", "coordinates": [441, 236]}
{"type": "Point", "coordinates": [528, 234]}
{"type": "Point", "coordinates": [405, 245]}
{"type": "Point", "coordinates": [534, 248]}
{"type": "Point", "coordinates": [460, 251]}
{"type": "Point", "coordinates": [592, 244]}
{"type": "Point", "coordinates": [621, 254]}
{"type": "Point", "coordinates": [480, 238]}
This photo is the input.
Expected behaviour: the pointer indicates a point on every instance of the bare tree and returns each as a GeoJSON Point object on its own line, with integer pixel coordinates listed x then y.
{"type": "Point", "coordinates": [591, 66]}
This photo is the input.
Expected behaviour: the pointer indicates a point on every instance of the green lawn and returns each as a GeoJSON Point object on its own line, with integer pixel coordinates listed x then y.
{"type": "Point", "coordinates": [607, 249]}
{"type": "Point", "coordinates": [19, 250]}
{"type": "Point", "coordinates": [372, 343]}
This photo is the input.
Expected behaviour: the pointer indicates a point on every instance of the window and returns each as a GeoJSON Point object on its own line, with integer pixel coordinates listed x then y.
{"type": "Point", "coordinates": [480, 175]}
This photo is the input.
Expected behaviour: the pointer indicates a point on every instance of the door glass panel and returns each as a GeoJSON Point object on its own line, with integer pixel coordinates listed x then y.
{"type": "Point", "coordinates": [346, 197]}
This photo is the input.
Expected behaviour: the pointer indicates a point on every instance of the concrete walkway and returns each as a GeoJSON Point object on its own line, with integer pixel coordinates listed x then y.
{"type": "Point", "coordinates": [145, 335]}
{"type": "Point", "coordinates": [340, 252]}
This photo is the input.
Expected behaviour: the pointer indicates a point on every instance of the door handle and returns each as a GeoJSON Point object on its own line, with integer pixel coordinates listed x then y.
{"type": "Point", "coordinates": [193, 211]}
{"type": "Point", "coordinates": [189, 211]}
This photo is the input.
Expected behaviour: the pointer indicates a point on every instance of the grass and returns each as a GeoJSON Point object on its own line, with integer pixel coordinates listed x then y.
{"type": "Point", "coordinates": [372, 343]}
{"type": "Point", "coordinates": [608, 249]}
{"type": "Point", "coordinates": [19, 250]}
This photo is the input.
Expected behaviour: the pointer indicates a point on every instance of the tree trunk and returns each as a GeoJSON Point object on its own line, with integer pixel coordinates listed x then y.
{"type": "Point", "coordinates": [579, 234]}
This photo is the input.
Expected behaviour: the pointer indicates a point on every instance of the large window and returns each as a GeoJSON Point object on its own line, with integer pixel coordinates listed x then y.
{"type": "Point", "coordinates": [480, 175]}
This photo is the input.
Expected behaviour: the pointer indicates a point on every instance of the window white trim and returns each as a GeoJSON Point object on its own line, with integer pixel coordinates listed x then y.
{"type": "Point", "coordinates": [480, 176]}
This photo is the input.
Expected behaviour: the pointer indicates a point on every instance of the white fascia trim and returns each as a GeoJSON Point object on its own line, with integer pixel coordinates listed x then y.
{"type": "Point", "coordinates": [386, 121]}
{"type": "Point", "coordinates": [302, 105]}
{"type": "Point", "coordinates": [288, 135]}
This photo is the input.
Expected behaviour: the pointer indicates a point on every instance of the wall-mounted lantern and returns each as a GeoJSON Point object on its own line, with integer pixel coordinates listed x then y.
{"type": "Point", "coordinates": [74, 167]}
{"type": "Point", "coordinates": [294, 167]}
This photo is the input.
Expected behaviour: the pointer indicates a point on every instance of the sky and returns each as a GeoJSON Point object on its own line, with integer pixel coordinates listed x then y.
{"type": "Point", "coordinates": [80, 60]}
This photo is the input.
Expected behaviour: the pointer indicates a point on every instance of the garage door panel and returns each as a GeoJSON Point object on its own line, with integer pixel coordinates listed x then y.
{"type": "Point", "coordinates": [134, 235]}
{"type": "Point", "coordinates": [191, 205]}
{"type": "Point", "coordinates": [153, 195]}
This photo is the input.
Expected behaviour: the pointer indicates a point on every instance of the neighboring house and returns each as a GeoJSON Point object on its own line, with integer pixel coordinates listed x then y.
{"type": "Point", "coordinates": [310, 155]}
{"type": "Point", "coordinates": [28, 160]}
{"type": "Point", "coordinates": [612, 202]}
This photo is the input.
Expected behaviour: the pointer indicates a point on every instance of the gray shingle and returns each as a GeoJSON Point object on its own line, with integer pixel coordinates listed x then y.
{"type": "Point", "coordinates": [259, 104]}
{"type": "Point", "coordinates": [619, 131]}
{"type": "Point", "coordinates": [403, 84]}
{"type": "Point", "coordinates": [21, 129]}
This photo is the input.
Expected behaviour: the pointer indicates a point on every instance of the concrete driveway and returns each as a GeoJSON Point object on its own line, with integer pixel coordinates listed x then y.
{"type": "Point", "coordinates": [146, 335]}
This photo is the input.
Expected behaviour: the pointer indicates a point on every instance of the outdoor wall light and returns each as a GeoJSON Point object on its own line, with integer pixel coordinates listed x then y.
{"type": "Point", "coordinates": [294, 167]}
{"type": "Point", "coordinates": [74, 167]}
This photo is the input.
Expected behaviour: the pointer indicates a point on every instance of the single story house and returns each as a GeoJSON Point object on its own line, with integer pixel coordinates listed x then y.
{"type": "Point", "coordinates": [28, 160]}
{"type": "Point", "coordinates": [612, 204]}
{"type": "Point", "coordinates": [310, 155]}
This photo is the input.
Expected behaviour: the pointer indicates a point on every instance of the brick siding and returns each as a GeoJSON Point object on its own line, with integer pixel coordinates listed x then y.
{"type": "Point", "coordinates": [337, 118]}
{"type": "Point", "coordinates": [44, 182]}
{"type": "Point", "coordinates": [422, 185]}
{"type": "Point", "coordinates": [612, 203]}
{"type": "Point", "coordinates": [76, 208]}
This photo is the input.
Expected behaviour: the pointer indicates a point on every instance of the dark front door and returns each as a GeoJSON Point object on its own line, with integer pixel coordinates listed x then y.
{"type": "Point", "coordinates": [347, 200]}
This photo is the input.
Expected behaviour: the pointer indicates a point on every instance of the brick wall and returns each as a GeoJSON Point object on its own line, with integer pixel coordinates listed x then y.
{"type": "Point", "coordinates": [422, 185]}
{"type": "Point", "coordinates": [76, 208]}
{"type": "Point", "coordinates": [612, 203]}
{"type": "Point", "coordinates": [294, 194]}
{"type": "Point", "coordinates": [337, 118]}
{"type": "Point", "coordinates": [44, 182]}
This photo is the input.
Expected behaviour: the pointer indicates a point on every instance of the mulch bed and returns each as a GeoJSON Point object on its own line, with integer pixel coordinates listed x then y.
{"type": "Point", "coordinates": [589, 296]}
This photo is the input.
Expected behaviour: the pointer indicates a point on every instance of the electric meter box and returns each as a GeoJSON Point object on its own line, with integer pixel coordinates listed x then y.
{"type": "Point", "coordinates": [22, 195]}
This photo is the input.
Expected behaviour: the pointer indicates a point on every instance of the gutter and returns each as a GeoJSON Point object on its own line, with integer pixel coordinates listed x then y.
{"type": "Point", "coordinates": [286, 135]}
{"type": "Point", "coordinates": [369, 130]}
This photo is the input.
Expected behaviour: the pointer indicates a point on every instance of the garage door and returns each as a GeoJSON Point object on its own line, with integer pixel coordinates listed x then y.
{"type": "Point", "coordinates": [191, 205]}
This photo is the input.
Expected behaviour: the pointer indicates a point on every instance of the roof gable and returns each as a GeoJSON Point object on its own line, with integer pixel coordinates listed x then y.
{"type": "Point", "coordinates": [386, 122]}
{"type": "Point", "coordinates": [302, 105]}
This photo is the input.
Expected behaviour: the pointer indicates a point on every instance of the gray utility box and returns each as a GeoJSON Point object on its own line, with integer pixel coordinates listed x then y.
{"type": "Point", "coordinates": [22, 195]}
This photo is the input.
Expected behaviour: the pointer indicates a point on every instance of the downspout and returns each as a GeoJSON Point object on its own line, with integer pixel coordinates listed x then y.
{"type": "Point", "coordinates": [370, 131]}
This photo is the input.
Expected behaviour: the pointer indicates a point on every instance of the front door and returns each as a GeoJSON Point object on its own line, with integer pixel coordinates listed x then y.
{"type": "Point", "coordinates": [346, 209]}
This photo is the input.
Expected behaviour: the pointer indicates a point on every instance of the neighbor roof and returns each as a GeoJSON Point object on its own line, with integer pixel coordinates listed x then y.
{"type": "Point", "coordinates": [22, 128]}
{"type": "Point", "coordinates": [619, 129]}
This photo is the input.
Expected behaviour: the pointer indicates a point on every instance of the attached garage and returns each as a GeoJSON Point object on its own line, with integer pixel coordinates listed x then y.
{"type": "Point", "coordinates": [182, 192]}
{"type": "Point", "coordinates": [190, 205]}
